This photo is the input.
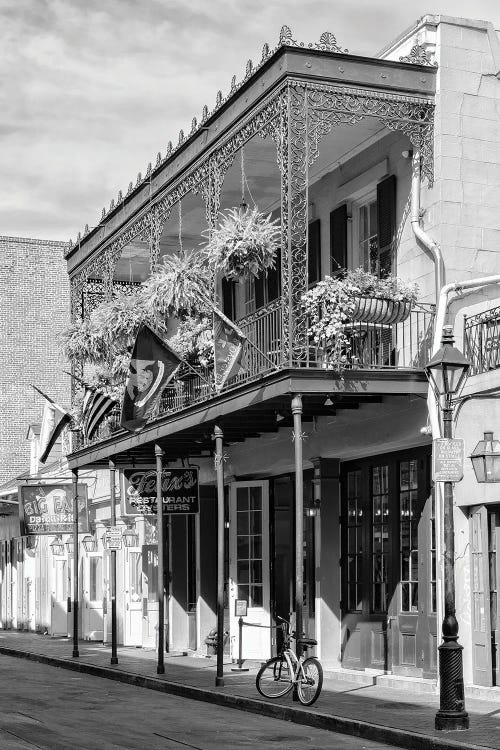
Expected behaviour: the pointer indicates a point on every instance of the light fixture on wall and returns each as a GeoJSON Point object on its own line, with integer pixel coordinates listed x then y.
{"type": "Point", "coordinates": [130, 538]}
{"type": "Point", "coordinates": [279, 417]}
{"type": "Point", "coordinates": [313, 510]}
{"type": "Point", "coordinates": [89, 543]}
{"type": "Point", "coordinates": [328, 401]}
{"type": "Point", "coordinates": [486, 459]}
{"type": "Point", "coordinates": [57, 546]}
{"type": "Point", "coordinates": [407, 154]}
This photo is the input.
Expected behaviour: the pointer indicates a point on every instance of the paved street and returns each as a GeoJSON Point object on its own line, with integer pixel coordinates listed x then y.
{"type": "Point", "coordinates": [51, 709]}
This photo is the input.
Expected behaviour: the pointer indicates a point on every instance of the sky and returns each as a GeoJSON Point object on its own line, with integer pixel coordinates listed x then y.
{"type": "Point", "coordinates": [91, 90]}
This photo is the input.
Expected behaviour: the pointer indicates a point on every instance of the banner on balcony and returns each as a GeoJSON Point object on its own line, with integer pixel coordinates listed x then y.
{"type": "Point", "coordinates": [228, 349]}
{"type": "Point", "coordinates": [54, 420]}
{"type": "Point", "coordinates": [179, 488]}
{"type": "Point", "coordinates": [152, 365]}
{"type": "Point", "coordinates": [48, 508]}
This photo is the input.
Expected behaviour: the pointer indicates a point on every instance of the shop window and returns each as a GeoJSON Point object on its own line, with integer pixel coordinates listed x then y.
{"type": "Point", "coordinates": [380, 537]}
{"type": "Point", "coordinates": [151, 572]}
{"type": "Point", "coordinates": [95, 579]}
{"type": "Point", "coordinates": [408, 525]}
{"type": "Point", "coordinates": [249, 571]}
{"type": "Point", "coordinates": [135, 575]}
{"type": "Point", "coordinates": [354, 542]}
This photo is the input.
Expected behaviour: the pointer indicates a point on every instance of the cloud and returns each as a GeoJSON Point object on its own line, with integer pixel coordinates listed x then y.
{"type": "Point", "coordinates": [92, 90]}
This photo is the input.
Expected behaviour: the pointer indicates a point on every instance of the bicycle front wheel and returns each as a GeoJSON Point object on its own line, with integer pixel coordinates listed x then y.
{"type": "Point", "coordinates": [273, 678]}
{"type": "Point", "coordinates": [310, 681]}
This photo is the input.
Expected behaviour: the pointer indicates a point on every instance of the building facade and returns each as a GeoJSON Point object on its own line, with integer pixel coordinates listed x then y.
{"type": "Point", "coordinates": [390, 163]}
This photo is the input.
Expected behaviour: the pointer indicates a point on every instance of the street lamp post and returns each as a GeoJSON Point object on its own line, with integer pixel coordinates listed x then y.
{"type": "Point", "coordinates": [447, 372]}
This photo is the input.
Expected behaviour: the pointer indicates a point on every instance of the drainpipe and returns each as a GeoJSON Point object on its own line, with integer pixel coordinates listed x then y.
{"type": "Point", "coordinates": [419, 233]}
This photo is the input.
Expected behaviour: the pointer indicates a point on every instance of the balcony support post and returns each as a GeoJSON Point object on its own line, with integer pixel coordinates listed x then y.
{"type": "Point", "coordinates": [219, 469]}
{"type": "Point", "coordinates": [160, 667]}
{"type": "Point", "coordinates": [299, 515]}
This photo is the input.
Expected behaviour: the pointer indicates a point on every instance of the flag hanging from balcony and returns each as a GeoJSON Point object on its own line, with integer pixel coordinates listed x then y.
{"type": "Point", "coordinates": [54, 420]}
{"type": "Point", "coordinates": [228, 349]}
{"type": "Point", "coordinates": [96, 405]}
{"type": "Point", "coordinates": [152, 365]}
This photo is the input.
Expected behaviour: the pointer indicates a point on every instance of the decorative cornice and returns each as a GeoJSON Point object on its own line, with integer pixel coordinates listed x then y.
{"type": "Point", "coordinates": [418, 56]}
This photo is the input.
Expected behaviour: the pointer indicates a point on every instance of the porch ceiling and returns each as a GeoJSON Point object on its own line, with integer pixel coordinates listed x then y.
{"type": "Point", "coordinates": [265, 408]}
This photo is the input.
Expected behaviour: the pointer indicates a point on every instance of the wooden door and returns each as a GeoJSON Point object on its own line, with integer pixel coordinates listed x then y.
{"type": "Point", "coordinates": [385, 603]}
{"type": "Point", "coordinates": [133, 597]}
{"type": "Point", "coordinates": [494, 577]}
{"type": "Point", "coordinates": [480, 590]}
{"type": "Point", "coordinates": [59, 598]}
{"type": "Point", "coordinates": [92, 600]}
{"type": "Point", "coordinates": [150, 595]}
{"type": "Point", "coordinates": [249, 566]}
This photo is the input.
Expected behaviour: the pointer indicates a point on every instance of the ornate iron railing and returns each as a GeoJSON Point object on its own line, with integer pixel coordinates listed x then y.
{"type": "Point", "coordinates": [373, 346]}
{"type": "Point", "coordinates": [482, 341]}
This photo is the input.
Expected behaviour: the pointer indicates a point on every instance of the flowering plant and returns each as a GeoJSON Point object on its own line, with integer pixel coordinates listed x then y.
{"type": "Point", "coordinates": [244, 243]}
{"type": "Point", "coordinates": [194, 341]}
{"type": "Point", "coordinates": [390, 287]}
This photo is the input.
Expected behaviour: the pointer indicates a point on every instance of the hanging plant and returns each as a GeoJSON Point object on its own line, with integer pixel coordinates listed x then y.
{"type": "Point", "coordinates": [245, 243]}
{"type": "Point", "coordinates": [359, 296]}
{"type": "Point", "coordinates": [179, 286]}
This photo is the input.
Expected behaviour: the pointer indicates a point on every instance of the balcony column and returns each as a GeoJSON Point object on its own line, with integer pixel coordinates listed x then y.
{"type": "Point", "coordinates": [295, 219]}
{"type": "Point", "coordinates": [299, 515]}
{"type": "Point", "coordinates": [219, 469]}
{"type": "Point", "coordinates": [74, 473]}
{"type": "Point", "coordinates": [160, 667]}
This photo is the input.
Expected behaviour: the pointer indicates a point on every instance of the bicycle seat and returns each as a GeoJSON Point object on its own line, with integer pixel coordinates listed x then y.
{"type": "Point", "coordinates": [307, 641]}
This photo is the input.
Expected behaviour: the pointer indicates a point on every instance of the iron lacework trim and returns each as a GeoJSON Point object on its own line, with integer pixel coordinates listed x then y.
{"type": "Point", "coordinates": [482, 341]}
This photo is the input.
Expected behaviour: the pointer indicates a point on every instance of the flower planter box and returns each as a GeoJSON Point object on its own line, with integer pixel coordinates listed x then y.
{"type": "Point", "coordinates": [381, 311]}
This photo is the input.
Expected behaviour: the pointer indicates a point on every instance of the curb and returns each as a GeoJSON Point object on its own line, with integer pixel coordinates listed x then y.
{"type": "Point", "coordinates": [354, 727]}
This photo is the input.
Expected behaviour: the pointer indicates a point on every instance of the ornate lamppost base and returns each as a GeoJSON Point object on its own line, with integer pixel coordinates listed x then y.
{"type": "Point", "coordinates": [451, 721]}
{"type": "Point", "coordinates": [452, 715]}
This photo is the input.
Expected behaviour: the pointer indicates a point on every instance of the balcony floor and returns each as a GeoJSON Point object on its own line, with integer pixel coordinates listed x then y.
{"type": "Point", "coordinates": [250, 410]}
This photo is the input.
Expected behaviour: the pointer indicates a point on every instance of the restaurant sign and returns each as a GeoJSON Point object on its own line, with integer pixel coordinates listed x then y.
{"type": "Point", "coordinates": [179, 489]}
{"type": "Point", "coordinates": [48, 508]}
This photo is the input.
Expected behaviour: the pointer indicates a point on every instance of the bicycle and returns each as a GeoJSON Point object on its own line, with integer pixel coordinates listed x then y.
{"type": "Point", "coordinates": [282, 672]}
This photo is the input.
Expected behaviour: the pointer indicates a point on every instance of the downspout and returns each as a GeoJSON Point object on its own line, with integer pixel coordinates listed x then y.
{"type": "Point", "coordinates": [419, 233]}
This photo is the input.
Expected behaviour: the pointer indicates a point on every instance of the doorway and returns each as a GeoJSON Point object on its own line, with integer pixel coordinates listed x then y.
{"type": "Point", "coordinates": [133, 597]}
{"type": "Point", "coordinates": [388, 565]}
{"type": "Point", "coordinates": [249, 567]}
{"type": "Point", "coordinates": [60, 589]}
{"type": "Point", "coordinates": [92, 615]}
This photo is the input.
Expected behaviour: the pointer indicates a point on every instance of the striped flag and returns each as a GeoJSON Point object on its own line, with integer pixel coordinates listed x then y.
{"type": "Point", "coordinates": [54, 420]}
{"type": "Point", "coordinates": [96, 405]}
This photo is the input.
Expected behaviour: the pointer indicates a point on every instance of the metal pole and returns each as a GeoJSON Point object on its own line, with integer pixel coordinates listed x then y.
{"type": "Point", "coordinates": [160, 667]}
{"type": "Point", "coordinates": [452, 714]}
{"type": "Point", "coordinates": [299, 517]}
{"type": "Point", "coordinates": [112, 496]}
{"type": "Point", "coordinates": [75, 562]}
{"type": "Point", "coordinates": [219, 468]}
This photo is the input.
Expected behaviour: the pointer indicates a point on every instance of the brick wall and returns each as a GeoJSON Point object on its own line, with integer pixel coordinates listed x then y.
{"type": "Point", "coordinates": [34, 300]}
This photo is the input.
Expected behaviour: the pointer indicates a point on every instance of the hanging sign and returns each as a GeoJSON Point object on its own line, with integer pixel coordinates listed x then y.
{"type": "Point", "coordinates": [113, 538]}
{"type": "Point", "coordinates": [179, 488]}
{"type": "Point", "coordinates": [448, 459]}
{"type": "Point", "coordinates": [48, 508]}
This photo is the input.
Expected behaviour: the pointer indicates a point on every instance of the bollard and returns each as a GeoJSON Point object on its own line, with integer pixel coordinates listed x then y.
{"type": "Point", "coordinates": [240, 668]}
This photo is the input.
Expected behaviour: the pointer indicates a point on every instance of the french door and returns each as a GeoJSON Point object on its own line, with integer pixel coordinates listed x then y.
{"type": "Point", "coordinates": [388, 564]}
{"type": "Point", "coordinates": [249, 567]}
{"type": "Point", "coordinates": [93, 589]}
{"type": "Point", "coordinates": [133, 597]}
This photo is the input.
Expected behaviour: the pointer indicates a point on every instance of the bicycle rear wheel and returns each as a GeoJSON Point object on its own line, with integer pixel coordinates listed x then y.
{"type": "Point", "coordinates": [310, 682]}
{"type": "Point", "coordinates": [273, 678]}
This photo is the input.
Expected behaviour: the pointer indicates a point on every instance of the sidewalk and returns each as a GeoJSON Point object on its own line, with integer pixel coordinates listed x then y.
{"type": "Point", "coordinates": [405, 719]}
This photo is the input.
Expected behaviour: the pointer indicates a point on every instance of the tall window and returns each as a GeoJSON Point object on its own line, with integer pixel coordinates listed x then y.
{"type": "Point", "coordinates": [95, 582]}
{"type": "Point", "coordinates": [368, 236]}
{"type": "Point", "coordinates": [380, 537]}
{"type": "Point", "coordinates": [249, 545]}
{"type": "Point", "coordinates": [354, 542]}
{"type": "Point", "coordinates": [409, 518]}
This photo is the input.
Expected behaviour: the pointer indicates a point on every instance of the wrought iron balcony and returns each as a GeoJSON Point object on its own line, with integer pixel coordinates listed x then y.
{"type": "Point", "coordinates": [372, 346]}
{"type": "Point", "coordinates": [482, 341]}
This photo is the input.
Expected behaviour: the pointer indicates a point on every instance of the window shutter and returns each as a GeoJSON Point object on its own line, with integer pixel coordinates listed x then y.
{"type": "Point", "coordinates": [338, 239]}
{"type": "Point", "coordinates": [259, 290]}
{"type": "Point", "coordinates": [274, 279]}
{"type": "Point", "coordinates": [314, 252]}
{"type": "Point", "coordinates": [386, 219]}
{"type": "Point", "coordinates": [228, 301]}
